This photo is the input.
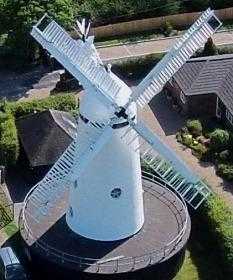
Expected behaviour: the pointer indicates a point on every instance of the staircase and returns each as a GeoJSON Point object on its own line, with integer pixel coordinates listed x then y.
{"type": "Point", "coordinates": [193, 193]}
{"type": "Point", "coordinates": [185, 47]}
{"type": "Point", "coordinates": [78, 57]}
{"type": "Point", "coordinates": [164, 162]}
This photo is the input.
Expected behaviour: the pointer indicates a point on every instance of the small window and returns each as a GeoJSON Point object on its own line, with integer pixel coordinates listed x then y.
{"type": "Point", "coordinates": [214, 22]}
{"type": "Point", "coordinates": [116, 193]}
{"type": "Point", "coordinates": [71, 212]}
{"type": "Point", "coordinates": [75, 184]}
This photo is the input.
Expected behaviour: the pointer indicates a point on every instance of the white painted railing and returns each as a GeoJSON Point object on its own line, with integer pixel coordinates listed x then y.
{"type": "Point", "coordinates": [115, 265]}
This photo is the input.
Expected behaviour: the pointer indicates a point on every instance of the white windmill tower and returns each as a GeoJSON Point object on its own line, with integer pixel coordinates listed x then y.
{"type": "Point", "coordinates": [106, 201]}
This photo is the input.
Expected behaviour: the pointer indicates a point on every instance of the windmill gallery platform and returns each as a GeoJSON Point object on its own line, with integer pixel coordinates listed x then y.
{"type": "Point", "coordinates": [157, 248]}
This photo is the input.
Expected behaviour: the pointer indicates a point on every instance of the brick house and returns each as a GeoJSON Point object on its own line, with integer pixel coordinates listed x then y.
{"type": "Point", "coordinates": [203, 87]}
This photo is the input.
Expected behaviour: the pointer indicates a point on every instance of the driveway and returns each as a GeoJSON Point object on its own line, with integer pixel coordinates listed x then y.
{"type": "Point", "coordinates": [153, 46]}
{"type": "Point", "coordinates": [165, 122]}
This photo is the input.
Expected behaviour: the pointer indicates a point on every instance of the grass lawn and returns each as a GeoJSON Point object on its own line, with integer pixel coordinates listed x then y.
{"type": "Point", "coordinates": [189, 270]}
{"type": "Point", "coordinates": [201, 261]}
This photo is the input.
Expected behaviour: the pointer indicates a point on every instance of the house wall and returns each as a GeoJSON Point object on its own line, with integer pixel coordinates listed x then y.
{"type": "Point", "coordinates": [202, 105]}
{"type": "Point", "coordinates": [194, 106]}
{"type": "Point", "coordinates": [175, 92]}
{"type": "Point", "coordinates": [224, 119]}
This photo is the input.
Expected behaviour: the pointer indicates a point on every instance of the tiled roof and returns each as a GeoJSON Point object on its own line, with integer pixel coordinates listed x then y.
{"type": "Point", "coordinates": [45, 136]}
{"type": "Point", "coordinates": [204, 75]}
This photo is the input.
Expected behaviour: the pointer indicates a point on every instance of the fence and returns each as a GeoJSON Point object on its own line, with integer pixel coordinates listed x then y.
{"type": "Point", "coordinates": [142, 25]}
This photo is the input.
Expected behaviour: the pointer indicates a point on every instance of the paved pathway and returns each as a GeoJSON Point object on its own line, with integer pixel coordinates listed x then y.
{"type": "Point", "coordinates": [154, 46]}
{"type": "Point", "coordinates": [165, 122]}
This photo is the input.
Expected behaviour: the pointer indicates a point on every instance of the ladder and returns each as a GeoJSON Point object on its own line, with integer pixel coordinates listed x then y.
{"type": "Point", "coordinates": [165, 163]}
{"type": "Point", "coordinates": [193, 193]}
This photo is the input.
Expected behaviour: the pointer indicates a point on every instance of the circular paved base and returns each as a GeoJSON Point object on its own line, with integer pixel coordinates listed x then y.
{"type": "Point", "coordinates": [165, 216]}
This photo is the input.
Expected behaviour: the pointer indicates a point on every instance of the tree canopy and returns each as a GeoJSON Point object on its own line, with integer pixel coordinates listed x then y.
{"type": "Point", "coordinates": [20, 15]}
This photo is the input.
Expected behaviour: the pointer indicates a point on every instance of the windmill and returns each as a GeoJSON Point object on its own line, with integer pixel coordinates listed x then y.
{"type": "Point", "coordinates": [101, 167]}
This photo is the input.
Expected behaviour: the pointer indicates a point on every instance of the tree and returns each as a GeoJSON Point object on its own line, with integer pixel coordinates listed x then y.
{"type": "Point", "coordinates": [200, 4]}
{"type": "Point", "coordinates": [209, 48]}
{"type": "Point", "coordinates": [20, 15]}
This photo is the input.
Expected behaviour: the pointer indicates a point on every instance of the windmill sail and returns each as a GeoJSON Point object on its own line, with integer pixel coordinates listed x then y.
{"type": "Point", "coordinates": [78, 57]}
{"type": "Point", "coordinates": [70, 164]}
{"type": "Point", "coordinates": [182, 50]}
{"type": "Point", "coordinates": [164, 161]}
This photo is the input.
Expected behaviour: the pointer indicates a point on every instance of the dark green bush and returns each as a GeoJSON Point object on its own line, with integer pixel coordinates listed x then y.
{"type": "Point", "coordinates": [219, 140]}
{"type": "Point", "coordinates": [9, 111]}
{"type": "Point", "coordinates": [194, 127]}
{"type": "Point", "coordinates": [64, 102]}
{"type": "Point", "coordinates": [225, 171]}
{"type": "Point", "coordinates": [9, 144]}
{"type": "Point", "coordinates": [167, 28]}
{"type": "Point", "coordinates": [217, 222]}
{"type": "Point", "coordinates": [209, 48]}
{"type": "Point", "coordinates": [224, 155]}
{"type": "Point", "coordinates": [136, 68]}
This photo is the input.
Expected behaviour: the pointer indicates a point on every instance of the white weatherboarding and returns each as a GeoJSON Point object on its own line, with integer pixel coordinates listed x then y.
{"type": "Point", "coordinates": [102, 167]}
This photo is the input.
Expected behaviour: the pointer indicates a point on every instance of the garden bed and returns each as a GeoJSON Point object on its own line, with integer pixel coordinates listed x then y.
{"type": "Point", "coordinates": [209, 143]}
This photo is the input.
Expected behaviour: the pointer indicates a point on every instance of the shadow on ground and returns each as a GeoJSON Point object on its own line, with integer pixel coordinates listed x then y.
{"type": "Point", "coordinates": [203, 253]}
{"type": "Point", "coordinates": [17, 183]}
{"type": "Point", "coordinates": [14, 86]}
{"type": "Point", "coordinates": [170, 120]}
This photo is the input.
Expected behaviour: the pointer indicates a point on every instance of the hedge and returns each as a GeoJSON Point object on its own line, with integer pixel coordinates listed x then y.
{"type": "Point", "coordinates": [217, 222]}
{"type": "Point", "coordinates": [9, 111]}
{"type": "Point", "coordinates": [63, 102]}
{"type": "Point", "coordinates": [9, 144]}
{"type": "Point", "coordinates": [137, 67]}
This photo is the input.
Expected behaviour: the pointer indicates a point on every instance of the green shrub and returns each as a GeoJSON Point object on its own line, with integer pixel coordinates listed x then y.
{"type": "Point", "coordinates": [194, 127]}
{"type": "Point", "coordinates": [64, 102]}
{"type": "Point", "coordinates": [199, 150]}
{"type": "Point", "coordinates": [225, 171]}
{"type": "Point", "coordinates": [217, 223]}
{"type": "Point", "coordinates": [9, 144]}
{"type": "Point", "coordinates": [187, 139]}
{"type": "Point", "coordinates": [167, 28]}
{"type": "Point", "coordinates": [219, 139]}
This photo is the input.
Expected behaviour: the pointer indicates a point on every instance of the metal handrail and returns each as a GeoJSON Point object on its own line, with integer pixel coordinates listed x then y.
{"type": "Point", "coordinates": [160, 253]}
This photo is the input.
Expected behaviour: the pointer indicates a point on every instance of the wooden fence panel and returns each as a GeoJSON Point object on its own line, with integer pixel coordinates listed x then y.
{"type": "Point", "coordinates": [135, 26]}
